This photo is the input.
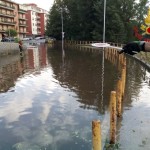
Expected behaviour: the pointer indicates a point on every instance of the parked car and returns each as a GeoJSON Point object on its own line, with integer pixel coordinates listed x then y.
{"type": "Point", "coordinates": [30, 38]}
{"type": "Point", "coordinates": [39, 38]}
{"type": "Point", "coordinates": [25, 39]}
{"type": "Point", "coordinates": [50, 40]}
{"type": "Point", "coordinates": [8, 39]}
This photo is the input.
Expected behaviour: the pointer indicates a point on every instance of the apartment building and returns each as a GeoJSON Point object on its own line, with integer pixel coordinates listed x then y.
{"type": "Point", "coordinates": [26, 19]}
{"type": "Point", "coordinates": [12, 16]}
{"type": "Point", "coordinates": [36, 20]}
{"type": "Point", "coordinates": [22, 21]}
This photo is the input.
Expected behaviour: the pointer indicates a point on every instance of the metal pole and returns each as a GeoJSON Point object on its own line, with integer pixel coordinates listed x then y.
{"type": "Point", "coordinates": [104, 21]}
{"type": "Point", "coordinates": [103, 56]}
{"type": "Point", "coordinates": [62, 28]}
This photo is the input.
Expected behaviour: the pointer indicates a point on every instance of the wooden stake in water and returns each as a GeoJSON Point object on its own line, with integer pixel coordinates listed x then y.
{"type": "Point", "coordinates": [96, 135]}
{"type": "Point", "coordinates": [123, 76]}
{"type": "Point", "coordinates": [119, 97]}
{"type": "Point", "coordinates": [113, 117]}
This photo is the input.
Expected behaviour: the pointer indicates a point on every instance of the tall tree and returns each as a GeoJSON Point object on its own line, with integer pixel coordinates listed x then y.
{"type": "Point", "coordinates": [131, 13]}
{"type": "Point", "coordinates": [114, 25]}
{"type": "Point", "coordinates": [141, 10]}
{"type": "Point", "coordinates": [54, 21]}
{"type": "Point", "coordinates": [11, 32]}
{"type": "Point", "coordinates": [83, 19]}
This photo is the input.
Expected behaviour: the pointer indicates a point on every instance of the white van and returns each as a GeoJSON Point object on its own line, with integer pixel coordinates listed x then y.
{"type": "Point", "coordinates": [39, 38]}
{"type": "Point", "coordinates": [25, 39]}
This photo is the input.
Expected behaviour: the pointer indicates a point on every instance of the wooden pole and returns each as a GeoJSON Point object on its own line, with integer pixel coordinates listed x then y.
{"type": "Point", "coordinates": [119, 62]}
{"type": "Point", "coordinates": [123, 77]}
{"type": "Point", "coordinates": [119, 97]}
{"type": "Point", "coordinates": [113, 117]}
{"type": "Point", "coordinates": [96, 135]}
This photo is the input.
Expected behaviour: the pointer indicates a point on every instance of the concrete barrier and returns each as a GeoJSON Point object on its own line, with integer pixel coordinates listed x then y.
{"type": "Point", "coordinates": [6, 60]}
{"type": "Point", "coordinates": [8, 48]}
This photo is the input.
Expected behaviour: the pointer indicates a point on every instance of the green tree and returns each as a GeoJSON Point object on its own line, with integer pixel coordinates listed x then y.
{"type": "Point", "coordinates": [72, 20]}
{"type": "Point", "coordinates": [86, 18]}
{"type": "Point", "coordinates": [77, 16]}
{"type": "Point", "coordinates": [53, 23]}
{"type": "Point", "coordinates": [132, 14]}
{"type": "Point", "coordinates": [83, 19]}
{"type": "Point", "coordinates": [11, 32]}
{"type": "Point", "coordinates": [114, 26]}
{"type": "Point", "coordinates": [141, 10]}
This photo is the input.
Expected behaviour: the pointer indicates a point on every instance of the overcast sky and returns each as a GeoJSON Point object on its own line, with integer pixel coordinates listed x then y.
{"type": "Point", "coordinates": [45, 4]}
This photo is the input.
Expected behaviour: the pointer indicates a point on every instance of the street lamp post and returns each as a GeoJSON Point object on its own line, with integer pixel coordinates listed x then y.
{"type": "Point", "coordinates": [62, 34]}
{"type": "Point", "coordinates": [104, 21]}
{"type": "Point", "coordinates": [62, 28]}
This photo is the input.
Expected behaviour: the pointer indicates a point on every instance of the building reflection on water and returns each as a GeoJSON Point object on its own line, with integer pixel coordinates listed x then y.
{"type": "Point", "coordinates": [14, 66]}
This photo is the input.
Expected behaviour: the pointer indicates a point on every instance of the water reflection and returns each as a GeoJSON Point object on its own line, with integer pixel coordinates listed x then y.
{"type": "Point", "coordinates": [52, 96]}
{"type": "Point", "coordinates": [36, 57]}
{"type": "Point", "coordinates": [10, 70]}
{"type": "Point", "coordinates": [84, 77]}
{"type": "Point", "coordinates": [13, 66]}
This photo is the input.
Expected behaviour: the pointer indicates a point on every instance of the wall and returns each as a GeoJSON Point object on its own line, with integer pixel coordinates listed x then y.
{"type": "Point", "coordinates": [8, 48]}
{"type": "Point", "coordinates": [144, 58]}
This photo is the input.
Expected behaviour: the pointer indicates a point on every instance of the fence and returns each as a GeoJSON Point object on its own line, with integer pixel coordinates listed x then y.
{"type": "Point", "coordinates": [116, 98]}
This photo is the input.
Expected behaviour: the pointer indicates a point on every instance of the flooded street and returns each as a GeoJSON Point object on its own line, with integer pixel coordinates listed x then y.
{"type": "Point", "coordinates": [48, 100]}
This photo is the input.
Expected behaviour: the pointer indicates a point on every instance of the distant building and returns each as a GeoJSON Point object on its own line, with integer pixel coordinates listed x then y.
{"type": "Point", "coordinates": [22, 21]}
{"type": "Point", "coordinates": [8, 16]}
{"type": "Point", "coordinates": [36, 20]}
{"type": "Point", "coordinates": [26, 19]}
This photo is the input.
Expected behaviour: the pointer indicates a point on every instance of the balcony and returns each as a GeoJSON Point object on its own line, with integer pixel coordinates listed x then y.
{"type": "Point", "coordinates": [23, 32]}
{"type": "Point", "coordinates": [7, 7]}
{"type": "Point", "coordinates": [7, 15]}
{"type": "Point", "coordinates": [7, 22]}
{"type": "Point", "coordinates": [2, 31]}
{"type": "Point", "coordinates": [38, 17]}
{"type": "Point", "coordinates": [23, 24]}
{"type": "Point", "coordinates": [21, 18]}
{"type": "Point", "coordinates": [22, 11]}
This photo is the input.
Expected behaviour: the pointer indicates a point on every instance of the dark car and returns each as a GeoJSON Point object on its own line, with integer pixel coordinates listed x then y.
{"type": "Point", "coordinates": [8, 40]}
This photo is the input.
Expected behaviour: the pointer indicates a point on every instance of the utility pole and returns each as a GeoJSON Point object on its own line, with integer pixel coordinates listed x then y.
{"type": "Point", "coordinates": [104, 24]}
{"type": "Point", "coordinates": [62, 28]}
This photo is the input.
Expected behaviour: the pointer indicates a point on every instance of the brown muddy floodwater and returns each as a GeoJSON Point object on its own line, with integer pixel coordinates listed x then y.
{"type": "Point", "coordinates": [49, 99]}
